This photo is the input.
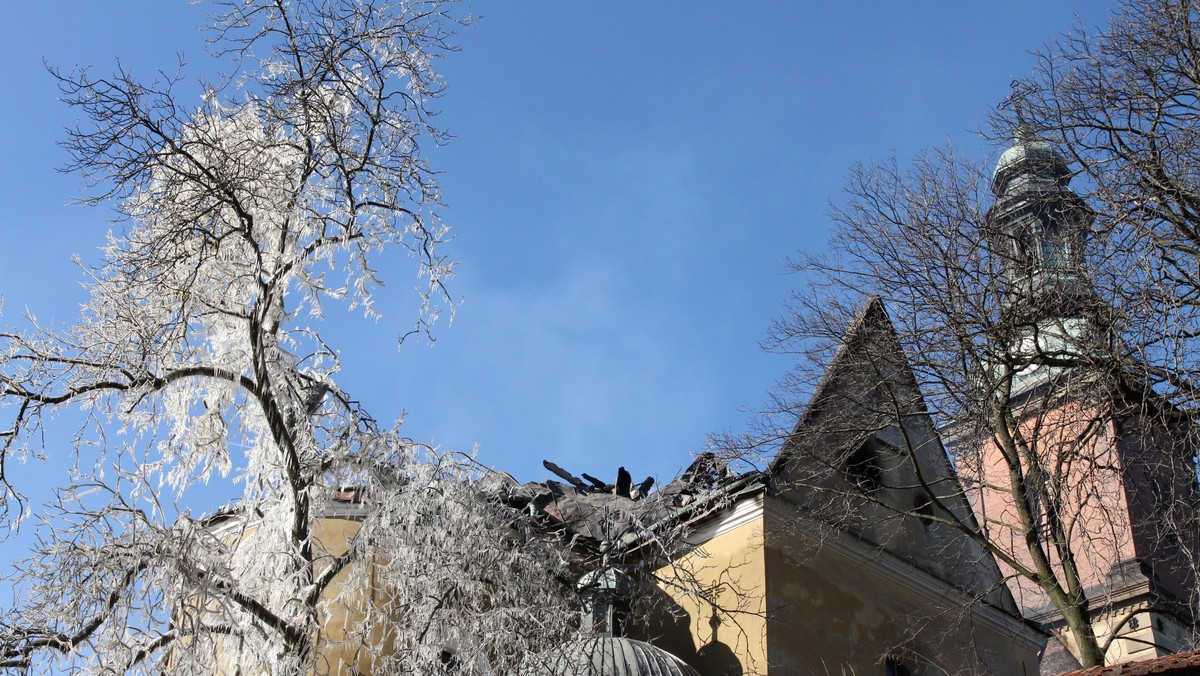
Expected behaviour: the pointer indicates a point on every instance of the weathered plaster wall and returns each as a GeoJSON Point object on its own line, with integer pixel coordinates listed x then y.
{"type": "Point", "coordinates": [1078, 449]}
{"type": "Point", "coordinates": [1119, 482]}
{"type": "Point", "coordinates": [779, 603]}
{"type": "Point", "coordinates": [834, 610]}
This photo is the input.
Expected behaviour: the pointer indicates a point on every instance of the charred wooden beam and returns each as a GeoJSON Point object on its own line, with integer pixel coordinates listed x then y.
{"type": "Point", "coordinates": [565, 475]}
{"type": "Point", "coordinates": [624, 482]}
{"type": "Point", "coordinates": [643, 489]}
{"type": "Point", "coordinates": [600, 485]}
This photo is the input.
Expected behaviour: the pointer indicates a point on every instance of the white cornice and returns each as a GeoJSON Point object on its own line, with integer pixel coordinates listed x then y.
{"type": "Point", "coordinates": [745, 510]}
{"type": "Point", "coordinates": [351, 511]}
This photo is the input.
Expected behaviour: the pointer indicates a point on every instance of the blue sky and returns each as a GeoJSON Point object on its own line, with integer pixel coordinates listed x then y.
{"type": "Point", "coordinates": [626, 183]}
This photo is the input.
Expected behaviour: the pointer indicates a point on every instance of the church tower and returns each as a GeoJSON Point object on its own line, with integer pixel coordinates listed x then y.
{"type": "Point", "coordinates": [1091, 479]}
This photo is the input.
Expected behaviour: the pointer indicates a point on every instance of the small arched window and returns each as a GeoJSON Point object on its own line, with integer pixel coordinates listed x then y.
{"type": "Point", "coordinates": [923, 506]}
{"type": "Point", "coordinates": [892, 666]}
{"type": "Point", "coordinates": [863, 467]}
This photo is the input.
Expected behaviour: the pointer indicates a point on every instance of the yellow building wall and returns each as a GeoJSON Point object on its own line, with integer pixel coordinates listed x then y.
{"type": "Point", "coordinates": [341, 648]}
{"type": "Point", "coordinates": [341, 644]}
{"type": "Point", "coordinates": [717, 601]}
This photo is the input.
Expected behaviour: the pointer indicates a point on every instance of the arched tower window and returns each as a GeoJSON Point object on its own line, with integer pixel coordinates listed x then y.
{"type": "Point", "coordinates": [892, 666]}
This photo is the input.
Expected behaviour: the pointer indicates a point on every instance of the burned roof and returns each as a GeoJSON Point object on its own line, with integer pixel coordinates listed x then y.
{"type": "Point", "coordinates": [606, 515]}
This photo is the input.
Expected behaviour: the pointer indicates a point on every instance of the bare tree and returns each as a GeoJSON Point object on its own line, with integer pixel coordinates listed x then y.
{"type": "Point", "coordinates": [1008, 329]}
{"type": "Point", "coordinates": [199, 356]}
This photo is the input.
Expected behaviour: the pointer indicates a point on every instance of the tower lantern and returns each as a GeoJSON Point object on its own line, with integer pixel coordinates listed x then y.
{"type": "Point", "coordinates": [1038, 227]}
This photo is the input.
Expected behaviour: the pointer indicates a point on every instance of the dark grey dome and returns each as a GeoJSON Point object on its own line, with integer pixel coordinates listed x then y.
{"type": "Point", "coordinates": [612, 656]}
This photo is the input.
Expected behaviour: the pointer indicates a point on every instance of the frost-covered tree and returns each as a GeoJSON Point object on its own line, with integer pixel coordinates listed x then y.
{"type": "Point", "coordinates": [199, 357]}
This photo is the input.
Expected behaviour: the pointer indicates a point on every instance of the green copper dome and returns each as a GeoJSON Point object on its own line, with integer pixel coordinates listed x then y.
{"type": "Point", "coordinates": [1029, 163]}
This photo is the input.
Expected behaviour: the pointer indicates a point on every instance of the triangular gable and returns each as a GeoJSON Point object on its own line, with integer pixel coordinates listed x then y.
{"type": "Point", "coordinates": [866, 456]}
{"type": "Point", "coordinates": [870, 341]}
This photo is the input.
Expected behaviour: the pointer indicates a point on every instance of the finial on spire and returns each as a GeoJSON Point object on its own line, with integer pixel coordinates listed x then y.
{"type": "Point", "coordinates": [1021, 89]}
